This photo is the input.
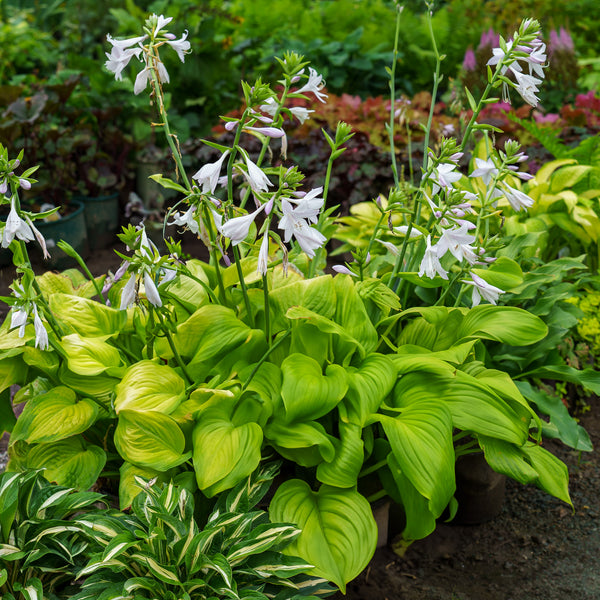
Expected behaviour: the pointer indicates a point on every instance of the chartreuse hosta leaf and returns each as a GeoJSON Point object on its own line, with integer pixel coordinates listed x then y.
{"type": "Point", "coordinates": [129, 488]}
{"type": "Point", "coordinates": [53, 416]}
{"type": "Point", "coordinates": [150, 439]}
{"type": "Point", "coordinates": [87, 317]}
{"type": "Point", "coordinates": [368, 385]}
{"type": "Point", "coordinates": [227, 445]}
{"type": "Point", "coordinates": [339, 533]}
{"type": "Point", "coordinates": [12, 371]}
{"type": "Point", "coordinates": [343, 470]}
{"type": "Point", "coordinates": [147, 385]}
{"type": "Point", "coordinates": [473, 405]}
{"type": "Point", "coordinates": [421, 441]}
{"type": "Point", "coordinates": [529, 463]}
{"type": "Point", "coordinates": [307, 393]}
{"type": "Point", "coordinates": [89, 356]}
{"type": "Point", "coordinates": [71, 462]}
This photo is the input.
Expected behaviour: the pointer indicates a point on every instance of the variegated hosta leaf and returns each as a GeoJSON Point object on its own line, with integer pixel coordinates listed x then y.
{"type": "Point", "coordinates": [150, 439]}
{"type": "Point", "coordinates": [8, 552]}
{"type": "Point", "coordinates": [54, 416]}
{"type": "Point", "coordinates": [148, 386]}
{"type": "Point", "coordinates": [339, 533]}
{"type": "Point", "coordinates": [71, 462]}
{"type": "Point", "coordinates": [269, 536]}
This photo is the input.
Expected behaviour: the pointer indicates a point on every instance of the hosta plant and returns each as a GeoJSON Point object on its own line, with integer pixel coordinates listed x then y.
{"type": "Point", "coordinates": [42, 544]}
{"type": "Point", "coordinates": [161, 549]}
{"type": "Point", "coordinates": [367, 382]}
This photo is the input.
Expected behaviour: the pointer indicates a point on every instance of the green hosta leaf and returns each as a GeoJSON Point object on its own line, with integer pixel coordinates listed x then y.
{"type": "Point", "coordinates": [567, 177]}
{"type": "Point", "coordinates": [529, 463]}
{"type": "Point", "coordinates": [503, 273]}
{"type": "Point", "coordinates": [12, 371]}
{"type": "Point", "coordinates": [472, 404]}
{"type": "Point", "coordinates": [307, 444]}
{"type": "Point", "coordinates": [150, 439]}
{"type": "Point", "coordinates": [343, 470]}
{"type": "Point", "coordinates": [86, 317]}
{"type": "Point", "coordinates": [507, 324]}
{"type": "Point", "coordinates": [188, 291]}
{"type": "Point", "coordinates": [224, 453]}
{"type": "Point", "coordinates": [339, 533]}
{"type": "Point", "coordinates": [54, 416]}
{"type": "Point", "coordinates": [70, 462]}
{"type": "Point", "coordinates": [45, 361]}
{"type": "Point", "coordinates": [148, 386]}
{"type": "Point", "coordinates": [95, 386]}
{"type": "Point", "coordinates": [421, 441]}
{"type": "Point", "coordinates": [89, 356]}
{"type": "Point", "coordinates": [307, 393]}
{"type": "Point", "coordinates": [588, 378]}
{"type": "Point", "coordinates": [367, 388]}
{"type": "Point", "coordinates": [7, 415]}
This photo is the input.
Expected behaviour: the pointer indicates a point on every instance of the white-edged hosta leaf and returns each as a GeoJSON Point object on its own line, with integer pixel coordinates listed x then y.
{"type": "Point", "coordinates": [54, 416]}
{"type": "Point", "coordinates": [150, 439]}
{"type": "Point", "coordinates": [148, 386]}
{"type": "Point", "coordinates": [339, 533]}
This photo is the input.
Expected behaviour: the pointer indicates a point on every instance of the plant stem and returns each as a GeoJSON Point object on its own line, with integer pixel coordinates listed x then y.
{"type": "Point", "coordinates": [390, 126]}
{"type": "Point", "coordinates": [267, 310]}
{"type": "Point", "coordinates": [264, 358]}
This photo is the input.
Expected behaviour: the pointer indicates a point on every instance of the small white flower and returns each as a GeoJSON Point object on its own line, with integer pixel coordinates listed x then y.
{"type": "Point", "coordinates": [430, 265]}
{"type": "Point", "coordinates": [18, 319]}
{"type": "Point", "coordinates": [263, 255]}
{"type": "Point", "coordinates": [128, 293]}
{"type": "Point", "coordinates": [527, 86]}
{"type": "Point", "coordinates": [186, 220]}
{"type": "Point", "coordinates": [391, 247]}
{"type": "Point", "coordinates": [41, 335]}
{"type": "Point", "coordinates": [314, 84]}
{"type": "Point", "coordinates": [517, 199]}
{"type": "Point", "coordinates": [257, 179]}
{"type": "Point", "coordinates": [181, 46]}
{"type": "Point", "coordinates": [15, 227]}
{"type": "Point", "coordinates": [295, 225]}
{"type": "Point", "coordinates": [237, 229]}
{"type": "Point", "coordinates": [39, 237]}
{"type": "Point", "coordinates": [403, 230]}
{"type": "Point", "coordinates": [443, 176]}
{"type": "Point", "coordinates": [272, 132]}
{"type": "Point", "coordinates": [457, 241]}
{"type": "Point", "coordinates": [151, 290]}
{"type": "Point", "coordinates": [486, 169]}
{"type": "Point", "coordinates": [482, 288]}
{"type": "Point", "coordinates": [208, 175]}
{"type": "Point", "coordinates": [301, 113]}
{"type": "Point", "coordinates": [309, 205]}
{"type": "Point", "coordinates": [161, 21]}
{"type": "Point", "coordinates": [121, 53]}
{"type": "Point", "coordinates": [343, 270]}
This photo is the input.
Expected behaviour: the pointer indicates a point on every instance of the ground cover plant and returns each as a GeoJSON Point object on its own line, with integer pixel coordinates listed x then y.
{"type": "Point", "coordinates": [366, 383]}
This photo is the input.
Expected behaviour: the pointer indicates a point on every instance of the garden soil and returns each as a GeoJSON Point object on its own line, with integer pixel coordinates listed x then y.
{"type": "Point", "coordinates": [537, 548]}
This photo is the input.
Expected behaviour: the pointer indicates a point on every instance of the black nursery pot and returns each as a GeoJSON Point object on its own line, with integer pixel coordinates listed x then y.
{"type": "Point", "coordinates": [72, 229]}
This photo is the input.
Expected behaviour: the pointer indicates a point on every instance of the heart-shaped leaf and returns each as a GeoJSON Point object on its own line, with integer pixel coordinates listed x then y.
{"type": "Point", "coordinates": [339, 533]}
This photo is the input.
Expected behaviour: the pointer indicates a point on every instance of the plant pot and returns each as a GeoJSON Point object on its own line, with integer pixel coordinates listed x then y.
{"type": "Point", "coordinates": [381, 514]}
{"type": "Point", "coordinates": [70, 228]}
{"type": "Point", "coordinates": [101, 219]}
{"type": "Point", "coordinates": [479, 490]}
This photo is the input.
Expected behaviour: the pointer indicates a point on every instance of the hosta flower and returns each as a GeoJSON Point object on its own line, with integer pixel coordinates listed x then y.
{"type": "Point", "coordinates": [128, 292]}
{"type": "Point", "coordinates": [161, 21]}
{"type": "Point", "coordinates": [121, 53]}
{"type": "Point", "coordinates": [309, 205]}
{"type": "Point", "coordinates": [314, 84]}
{"type": "Point", "coordinates": [208, 175]}
{"type": "Point", "coordinates": [403, 230]}
{"type": "Point", "coordinates": [151, 290]}
{"type": "Point", "coordinates": [486, 169]}
{"type": "Point", "coordinates": [430, 264]}
{"type": "Point", "coordinates": [293, 224]}
{"type": "Point", "coordinates": [263, 255]}
{"type": "Point", "coordinates": [145, 75]}
{"type": "Point", "coordinates": [41, 335]}
{"type": "Point", "coordinates": [343, 270]}
{"type": "Point", "coordinates": [482, 288]}
{"type": "Point", "coordinates": [527, 86]}
{"type": "Point", "coordinates": [443, 176]}
{"type": "Point", "coordinates": [16, 227]}
{"type": "Point", "coordinates": [301, 113]}
{"type": "Point", "coordinates": [181, 46]}
{"type": "Point", "coordinates": [237, 229]}
{"type": "Point", "coordinates": [457, 242]}
{"type": "Point", "coordinates": [39, 237]}
{"type": "Point", "coordinates": [272, 132]}
{"type": "Point", "coordinates": [186, 220]}
{"type": "Point", "coordinates": [18, 319]}
{"type": "Point", "coordinates": [256, 177]}
{"type": "Point", "coordinates": [517, 199]}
